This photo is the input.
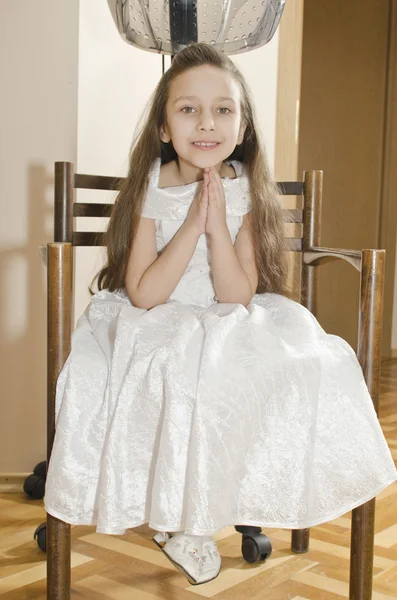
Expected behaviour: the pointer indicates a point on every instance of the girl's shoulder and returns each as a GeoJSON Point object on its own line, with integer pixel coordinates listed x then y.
{"type": "Point", "coordinates": [173, 202]}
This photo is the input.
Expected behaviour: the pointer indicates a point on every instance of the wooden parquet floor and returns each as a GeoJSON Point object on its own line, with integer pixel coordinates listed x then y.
{"type": "Point", "coordinates": [130, 567]}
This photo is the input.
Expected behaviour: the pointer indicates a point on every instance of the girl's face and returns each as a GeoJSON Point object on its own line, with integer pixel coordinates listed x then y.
{"type": "Point", "coordinates": [203, 116]}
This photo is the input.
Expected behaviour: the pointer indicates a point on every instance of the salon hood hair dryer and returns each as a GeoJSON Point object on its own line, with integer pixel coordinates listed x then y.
{"type": "Point", "coordinates": [167, 26]}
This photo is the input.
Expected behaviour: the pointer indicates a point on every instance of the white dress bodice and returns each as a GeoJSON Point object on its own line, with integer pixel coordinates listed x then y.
{"type": "Point", "coordinates": [169, 208]}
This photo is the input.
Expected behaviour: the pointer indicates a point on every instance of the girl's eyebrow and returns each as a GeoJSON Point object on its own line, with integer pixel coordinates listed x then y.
{"type": "Point", "coordinates": [219, 99]}
{"type": "Point", "coordinates": [226, 99]}
{"type": "Point", "coordinates": [185, 98]}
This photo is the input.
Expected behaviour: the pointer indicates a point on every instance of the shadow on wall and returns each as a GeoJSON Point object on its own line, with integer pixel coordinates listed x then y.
{"type": "Point", "coordinates": [23, 331]}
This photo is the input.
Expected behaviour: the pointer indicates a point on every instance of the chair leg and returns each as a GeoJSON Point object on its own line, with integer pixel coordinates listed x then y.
{"type": "Point", "coordinates": [59, 298]}
{"type": "Point", "coordinates": [362, 551]}
{"type": "Point", "coordinates": [300, 540]}
{"type": "Point", "coordinates": [58, 559]}
{"type": "Point", "coordinates": [369, 356]}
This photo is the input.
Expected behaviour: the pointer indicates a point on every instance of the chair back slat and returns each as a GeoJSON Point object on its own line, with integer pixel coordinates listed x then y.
{"type": "Point", "coordinates": [290, 188]}
{"type": "Point", "coordinates": [89, 238]}
{"type": "Point", "coordinates": [293, 244]}
{"type": "Point", "coordinates": [88, 209]}
{"type": "Point", "coordinates": [293, 216]}
{"type": "Point", "coordinates": [97, 182]}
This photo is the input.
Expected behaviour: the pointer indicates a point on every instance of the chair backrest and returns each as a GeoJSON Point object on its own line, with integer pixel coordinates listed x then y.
{"type": "Point", "coordinates": [302, 222]}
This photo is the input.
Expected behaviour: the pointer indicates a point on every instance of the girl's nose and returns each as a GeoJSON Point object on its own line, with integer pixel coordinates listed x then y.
{"type": "Point", "coordinates": [206, 122]}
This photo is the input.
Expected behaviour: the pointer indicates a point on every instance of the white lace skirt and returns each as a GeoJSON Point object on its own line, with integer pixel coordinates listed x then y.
{"type": "Point", "coordinates": [191, 418]}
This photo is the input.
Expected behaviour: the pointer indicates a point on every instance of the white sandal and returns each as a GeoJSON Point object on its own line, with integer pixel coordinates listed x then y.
{"type": "Point", "coordinates": [185, 556]}
{"type": "Point", "coordinates": [212, 562]}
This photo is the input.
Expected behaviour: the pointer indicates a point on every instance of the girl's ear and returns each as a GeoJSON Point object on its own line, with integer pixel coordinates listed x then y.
{"type": "Point", "coordinates": [241, 133]}
{"type": "Point", "coordinates": [164, 136]}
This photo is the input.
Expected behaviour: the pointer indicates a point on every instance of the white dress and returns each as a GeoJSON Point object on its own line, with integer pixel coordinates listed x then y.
{"type": "Point", "coordinates": [195, 415]}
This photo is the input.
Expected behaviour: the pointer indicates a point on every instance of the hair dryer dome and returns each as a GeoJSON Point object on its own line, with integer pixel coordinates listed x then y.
{"type": "Point", "coordinates": [167, 26]}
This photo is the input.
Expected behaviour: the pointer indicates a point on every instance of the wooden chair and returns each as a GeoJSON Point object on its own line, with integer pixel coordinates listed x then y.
{"type": "Point", "coordinates": [370, 263]}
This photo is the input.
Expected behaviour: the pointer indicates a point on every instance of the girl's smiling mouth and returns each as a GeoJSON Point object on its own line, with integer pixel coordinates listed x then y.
{"type": "Point", "coordinates": [205, 145]}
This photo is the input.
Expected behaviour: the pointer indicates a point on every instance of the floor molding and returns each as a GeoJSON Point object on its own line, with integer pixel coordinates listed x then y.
{"type": "Point", "coordinates": [11, 483]}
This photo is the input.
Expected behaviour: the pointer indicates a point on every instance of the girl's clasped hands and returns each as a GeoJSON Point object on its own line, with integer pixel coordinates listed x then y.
{"type": "Point", "coordinates": [208, 210]}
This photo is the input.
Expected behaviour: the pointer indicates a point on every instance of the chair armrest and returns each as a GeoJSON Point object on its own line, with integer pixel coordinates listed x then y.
{"type": "Point", "coordinates": [371, 265]}
{"type": "Point", "coordinates": [318, 256]}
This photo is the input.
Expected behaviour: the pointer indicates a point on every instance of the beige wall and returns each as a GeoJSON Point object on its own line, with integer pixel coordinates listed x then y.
{"type": "Point", "coordinates": [38, 115]}
{"type": "Point", "coordinates": [73, 93]}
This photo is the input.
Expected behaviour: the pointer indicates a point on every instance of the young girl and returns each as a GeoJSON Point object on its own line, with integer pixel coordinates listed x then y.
{"type": "Point", "coordinates": [189, 401]}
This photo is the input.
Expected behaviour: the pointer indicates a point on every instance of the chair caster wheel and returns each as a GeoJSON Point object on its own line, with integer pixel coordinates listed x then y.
{"type": "Point", "coordinates": [256, 548]}
{"type": "Point", "coordinates": [41, 469]}
{"type": "Point", "coordinates": [34, 486]}
{"type": "Point", "coordinates": [40, 535]}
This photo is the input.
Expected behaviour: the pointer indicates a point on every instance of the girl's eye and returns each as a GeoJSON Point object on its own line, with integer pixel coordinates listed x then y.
{"type": "Point", "coordinates": [187, 109]}
{"type": "Point", "coordinates": [224, 111]}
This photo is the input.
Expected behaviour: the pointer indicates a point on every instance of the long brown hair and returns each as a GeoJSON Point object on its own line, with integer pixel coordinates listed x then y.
{"type": "Point", "coordinates": [266, 213]}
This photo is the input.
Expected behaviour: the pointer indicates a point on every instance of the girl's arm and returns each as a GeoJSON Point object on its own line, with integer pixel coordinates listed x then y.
{"type": "Point", "coordinates": [233, 267]}
{"type": "Point", "coordinates": [151, 279]}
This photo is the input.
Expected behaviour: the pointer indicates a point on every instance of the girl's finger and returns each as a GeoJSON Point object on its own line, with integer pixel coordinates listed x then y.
{"type": "Point", "coordinates": [213, 180]}
{"type": "Point", "coordinates": [204, 191]}
{"type": "Point", "coordinates": [215, 176]}
{"type": "Point", "coordinates": [204, 199]}
{"type": "Point", "coordinates": [221, 190]}
{"type": "Point", "coordinates": [215, 189]}
{"type": "Point", "coordinates": [211, 192]}
{"type": "Point", "coordinates": [218, 180]}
